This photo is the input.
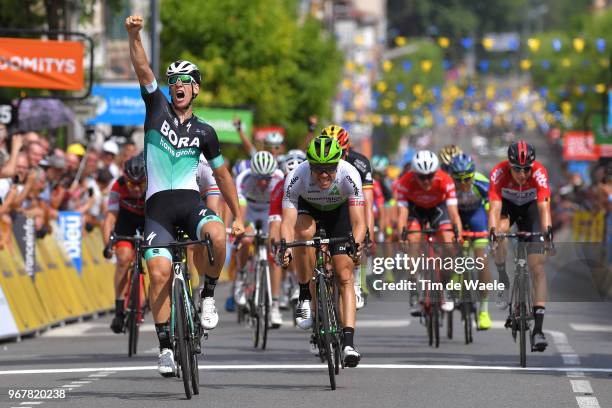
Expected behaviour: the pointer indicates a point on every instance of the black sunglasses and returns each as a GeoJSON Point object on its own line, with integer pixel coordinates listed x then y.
{"type": "Point", "coordinates": [425, 177]}
{"type": "Point", "coordinates": [519, 169]}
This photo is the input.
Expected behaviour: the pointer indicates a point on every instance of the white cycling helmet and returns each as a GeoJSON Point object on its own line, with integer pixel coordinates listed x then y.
{"type": "Point", "coordinates": [263, 163]}
{"type": "Point", "coordinates": [425, 162]}
{"type": "Point", "coordinates": [274, 138]}
{"type": "Point", "coordinates": [182, 67]}
{"type": "Point", "coordinates": [292, 159]}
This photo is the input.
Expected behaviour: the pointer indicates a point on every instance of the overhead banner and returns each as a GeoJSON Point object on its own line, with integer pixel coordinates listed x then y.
{"type": "Point", "coordinates": [222, 121]}
{"type": "Point", "coordinates": [42, 64]}
{"type": "Point", "coordinates": [580, 146]}
{"type": "Point", "coordinates": [70, 229]}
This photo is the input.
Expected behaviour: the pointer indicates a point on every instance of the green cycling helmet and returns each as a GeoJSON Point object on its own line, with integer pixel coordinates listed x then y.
{"type": "Point", "coordinates": [324, 150]}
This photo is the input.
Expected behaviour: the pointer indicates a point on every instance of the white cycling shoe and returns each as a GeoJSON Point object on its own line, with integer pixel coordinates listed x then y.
{"type": "Point", "coordinates": [503, 299]}
{"type": "Point", "coordinates": [276, 318]}
{"type": "Point", "coordinates": [303, 315]}
{"type": "Point", "coordinates": [165, 364]}
{"type": "Point", "coordinates": [359, 298]}
{"type": "Point", "coordinates": [350, 356]}
{"type": "Point", "coordinates": [239, 295]}
{"type": "Point", "coordinates": [209, 317]}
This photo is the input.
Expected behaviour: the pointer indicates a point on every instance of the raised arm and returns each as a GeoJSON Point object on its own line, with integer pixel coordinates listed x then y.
{"type": "Point", "coordinates": [133, 25]}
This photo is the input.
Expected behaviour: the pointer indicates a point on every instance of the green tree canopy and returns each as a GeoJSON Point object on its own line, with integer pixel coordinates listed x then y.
{"type": "Point", "coordinates": [253, 53]}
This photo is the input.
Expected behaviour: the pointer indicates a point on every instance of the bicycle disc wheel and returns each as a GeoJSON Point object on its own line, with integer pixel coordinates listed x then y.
{"type": "Point", "coordinates": [181, 337]}
{"type": "Point", "coordinates": [467, 321]}
{"type": "Point", "coordinates": [264, 301]}
{"type": "Point", "coordinates": [133, 323]}
{"type": "Point", "coordinates": [435, 317]}
{"type": "Point", "coordinates": [326, 337]}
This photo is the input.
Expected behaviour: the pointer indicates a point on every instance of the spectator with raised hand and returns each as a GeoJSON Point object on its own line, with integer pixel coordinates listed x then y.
{"type": "Point", "coordinates": [312, 125]}
{"type": "Point", "coordinates": [110, 151]}
{"type": "Point", "coordinates": [10, 166]}
{"type": "Point", "coordinates": [246, 143]}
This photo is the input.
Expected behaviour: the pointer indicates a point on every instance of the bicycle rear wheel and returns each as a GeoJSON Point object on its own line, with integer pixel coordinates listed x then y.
{"type": "Point", "coordinates": [435, 322]}
{"type": "Point", "coordinates": [326, 337]}
{"type": "Point", "coordinates": [466, 311]}
{"type": "Point", "coordinates": [195, 373]}
{"type": "Point", "coordinates": [181, 337]}
{"type": "Point", "coordinates": [449, 325]}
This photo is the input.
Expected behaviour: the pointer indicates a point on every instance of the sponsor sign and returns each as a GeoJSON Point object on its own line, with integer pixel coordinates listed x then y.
{"type": "Point", "coordinates": [8, 327]}
{"type": "Point", "coordinates": [580, 146]}
{"type": "Point", "coordinates": [24, 231]}
{"type": "Point", "coordinates": [42, 64]}
{"type": "Point", "coordinates": [70, 223]}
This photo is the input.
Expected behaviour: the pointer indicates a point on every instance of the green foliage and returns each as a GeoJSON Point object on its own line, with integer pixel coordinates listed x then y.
{"type": "Point", "coordinates": [410, 81]}
{"type": "Point", "coordinates": [569, 69]}
{"type": "Point", "coordinates": [253, 53]}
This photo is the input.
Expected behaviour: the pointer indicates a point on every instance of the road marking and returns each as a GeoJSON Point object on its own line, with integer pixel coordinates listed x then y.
{"type": "Point", "coordinates": [587, 402]}
{"type": "Point", "coordinates": [380, 324]}
{"type": "Point", "coordinates": [30, 403]}
{"type": "Point", "coordinates": [581, 386]}
{"type": "Point", "coordinates": [570, 359]}
{"type": "Point", "coordinates": [103, 372]}
{"type": "Point", "coordinates": [81, 382]}
{"type": "Point", "coordinates": [575, 374]}
{"type": "Point", "coordinates": [71, 386]}
{"type": "Point", "coordinates": [582, 327]}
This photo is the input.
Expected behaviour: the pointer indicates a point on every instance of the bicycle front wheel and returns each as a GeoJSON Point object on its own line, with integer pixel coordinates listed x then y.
{"type": "Point", "coordinates": [264, 302]}
{"type": "Point", "coordinates": [181, 339]}
{"type": "Point", "coordinates": [133, 323]}
{"type": "Point", "coordinates": [325, 328]}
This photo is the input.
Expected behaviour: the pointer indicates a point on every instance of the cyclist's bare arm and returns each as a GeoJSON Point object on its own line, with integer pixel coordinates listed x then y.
{"type": "Point", "coordinates": [544, 211]}
{"type": "Point", "coordinates": [133, 25]}
{"type": "Point", "coordinates": [357, 217]}
{"type": "Point", "coordinates": [228, 190]}
{"type": "Point", "coordinates": [108, 225]}
{"type": "Point", "coordinates": [368, 197]}
{"type": "Point", "coordinates": [453, 212]}
{"type": "Point", "coordinates": [495, 214]}
{"type": "Point", "coordinates": [288, 224]}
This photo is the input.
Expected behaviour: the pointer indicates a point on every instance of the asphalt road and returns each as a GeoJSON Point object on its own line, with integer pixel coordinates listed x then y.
{"type": "Point", "coordinates": [398, 368]}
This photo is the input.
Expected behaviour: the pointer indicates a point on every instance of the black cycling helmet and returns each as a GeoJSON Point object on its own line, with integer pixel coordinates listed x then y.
{"type": "Point", "coordinates": [521, 154]}
{"type": "Point", "coordinates": [134, 169]}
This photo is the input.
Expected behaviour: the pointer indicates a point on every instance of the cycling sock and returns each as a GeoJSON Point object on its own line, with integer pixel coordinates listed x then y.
{"type": "Point", "coordinates": [305, 291]}
{"type": "Point", "coordinates": [119, 306]}
{"type": "Point", "coordinates": [348, 333]}
{"type": "Point", "coordinates": [484, 305]}
{"type": "Point", "coordinates": [503, 277]}
{"type": "Point", "coordinates": [209, 286]}
{"type": "Point", "coordinates": [538, 313]}
{"type": "Point", "coordinates": [163, 335]}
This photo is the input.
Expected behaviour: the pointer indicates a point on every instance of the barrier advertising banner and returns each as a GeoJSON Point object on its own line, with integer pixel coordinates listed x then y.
{"type": "Point", "coordinates": [24, 231]}
{"type": "Point", "coordinates": [44, 64]}
{"type": "Point", "coordinates": [579, 146]}
{"type": "Point", "coordinates": [70, 223]}
{"type": "Point", "coordinates": [8, 327]}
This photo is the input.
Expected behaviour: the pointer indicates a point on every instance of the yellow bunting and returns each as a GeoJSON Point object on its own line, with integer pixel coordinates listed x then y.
{"type": "Point", "coordinates": [394, 119]}
{"type": "Point", "coordinates": [566, 107]}
{"type": "Point", "coordinates": [350, 116]}
{"type": "Point", "coordinates": [451, 121]}
{"type": "Point", "coordinates": [350, 66]}
{"type": "Point", "coordinates": [417, 89]}
{"type": "Point", "coordinates": [600, 88]}
{"type": "Point", "coordinates": [426, 65]}
{"type": "Point", "coordinates": [533, 44]}
{"type": "Point", "coordinates": [346, 84]}
{"type": "Point", "coordinates": [359, 40]}
{"type": "Point", "coordinates": [377, 120]}
{"type": "Point", "coordinates": [477, 106]}
{"type": "Point", "coordinates": [578, 91]}
{"type": "Point", "coordinates": [381, 86]}
{"type": "Point", "coordinates": [488, 43]}
{"type": "Point", "coordinates": [387, 65]}
{"type": "Point", "coordinates": [578, 44]}
{"type": "Point", "coordinates": [400, 41]}
{"type": "Point", "coordinates": [443, 42]}
{"type": "Point", "coordinates": [604, 62]}
{"type": "Point", "coordinates": [490, 91]}
{"type": "Point", "coordinates": [525, 64]}
{"type": "Point", "coordinates": [404, 121]}
{"type": "Point", "coordinates": [386, 103]}
{"type": "Point", "coordinates": [566, 63]}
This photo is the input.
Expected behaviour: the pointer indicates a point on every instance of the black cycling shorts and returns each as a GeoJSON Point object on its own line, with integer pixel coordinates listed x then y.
{"type": "Point", "coordinates": [435, 216]}
{"type": "Point", "coordinates": [527, 219]}
{"type": "Point", "coordinates": [128, 223]}
{"type": "Point", "coordinates": [336, 223]}
{"type": "Point", "coordinates": [166, 210]}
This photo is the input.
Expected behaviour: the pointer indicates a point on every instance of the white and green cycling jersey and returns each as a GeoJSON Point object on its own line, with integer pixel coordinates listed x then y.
{"type": "Point", "coordinates": [172, 149]}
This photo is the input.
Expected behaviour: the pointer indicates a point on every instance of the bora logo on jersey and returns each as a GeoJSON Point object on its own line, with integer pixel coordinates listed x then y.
{"type": "Point", "coordinates": [178, 142]}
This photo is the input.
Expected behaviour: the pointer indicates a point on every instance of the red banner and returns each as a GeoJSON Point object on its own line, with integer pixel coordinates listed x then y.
{"type": "Point", "coordinates": [580, 146]}
{"type": "Point", "coordinates": [43, 64]}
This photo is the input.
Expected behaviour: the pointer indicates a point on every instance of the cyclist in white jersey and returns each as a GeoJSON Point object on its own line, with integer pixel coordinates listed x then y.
{"type": "Point", "coordinates": [328, 191]}
{"type": "Point", "coordinates": [254, 188]}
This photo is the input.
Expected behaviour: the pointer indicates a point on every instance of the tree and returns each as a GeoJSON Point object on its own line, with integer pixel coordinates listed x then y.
{"type": "Point", "coordinates": [253, 53]}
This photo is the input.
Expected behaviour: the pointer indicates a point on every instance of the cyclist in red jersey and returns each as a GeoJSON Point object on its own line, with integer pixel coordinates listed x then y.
{"type": "Point", "coordinates": [520, 194]}
{"type": "Point", "coordinates": [125, 216]}
{"type": "Point", "coordinates": [426, 195]}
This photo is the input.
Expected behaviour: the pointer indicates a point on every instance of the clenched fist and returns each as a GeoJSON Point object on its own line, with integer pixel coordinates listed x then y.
{"type": "Point", "coordinates": [133, 24]}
